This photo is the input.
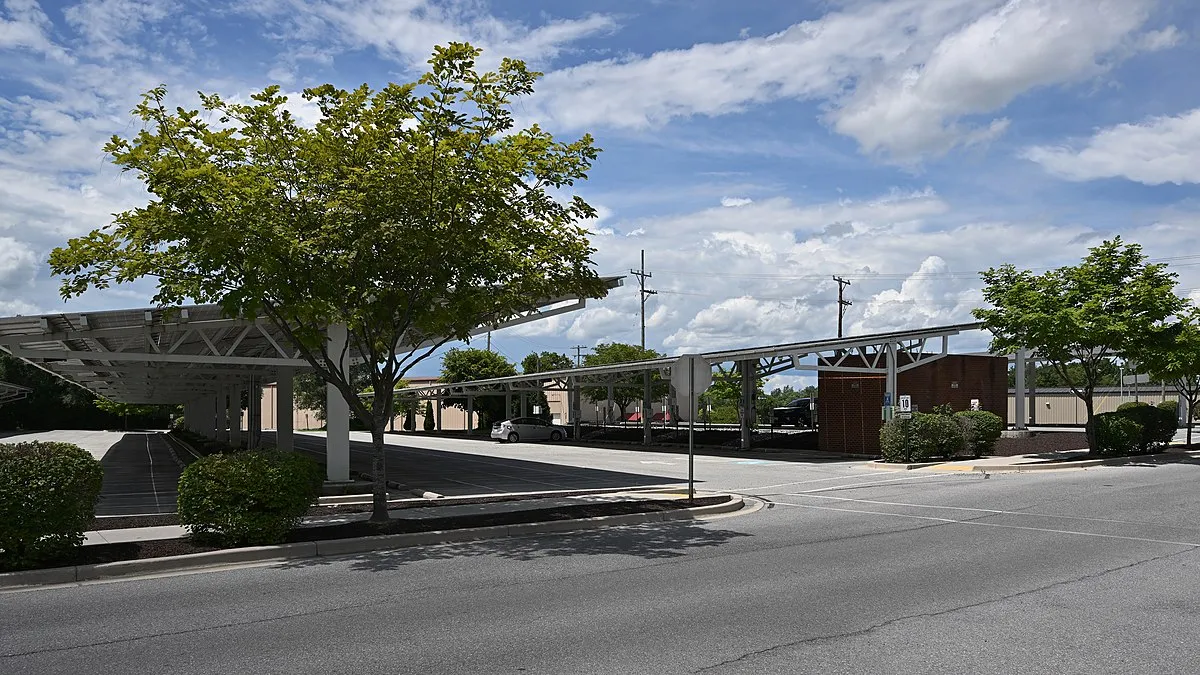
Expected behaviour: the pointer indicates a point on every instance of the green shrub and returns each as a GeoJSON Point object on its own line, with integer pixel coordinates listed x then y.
{"type": "Point", "coordinates": [943, 409]}
{"type": "Point", "coordinates": [1158, 425]}
{"type": "Point", "coordinates": [893, 437]}
{"type": "Point", "coordinates": [1171, 406]}
{"type": "Point", "coordinates": [937, 435]}
{"type": "Point", "coordinates": [48, 494]}
{"type": "Point", "coordinates": [980, 429]}
{"type": "Point", "coordinates": [430, 422]}
{"type": "Point", "coordinates": [1117, 434]}
{"type": "Point", "coordinates": [920, 439]}
{"type": "Point", "coordinates": [1130, 405]}
{"type": "Point", "coordinates": [247, 498]}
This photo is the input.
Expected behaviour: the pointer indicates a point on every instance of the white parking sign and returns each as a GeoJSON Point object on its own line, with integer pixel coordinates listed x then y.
{"type": "Point", "coordinates": [905, 403]}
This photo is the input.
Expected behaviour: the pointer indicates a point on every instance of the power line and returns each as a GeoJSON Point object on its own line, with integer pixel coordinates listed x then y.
{"type": "Point", "coordinates": [642, 275]}
{"type": "Point", "coordinates": [866, 276]}
{"type": "Point", "coordinates": [842, 302]}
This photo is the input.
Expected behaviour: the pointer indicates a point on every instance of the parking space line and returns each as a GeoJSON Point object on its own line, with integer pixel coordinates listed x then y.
{"type": "Point", "coordinates": [975, 523]}
{"type": "Point", "coordinates": [980, 510]}
{"type": "Point", "coordinates": [157, 503]}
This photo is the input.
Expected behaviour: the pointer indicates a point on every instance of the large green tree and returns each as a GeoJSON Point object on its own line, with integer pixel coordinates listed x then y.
{"type": "Point", "coordinates": [1177, 361]}
{"type": "Point", "coordinates": [464, 365]}
{"type": "Point", "coordinates": [410, 215]}
{"type": "Point", "coordinates": [542, 362]}
{"type": "Point", "coordinates": [1112, 302]}
{"type": "Point", "coordinates": [629, 387]}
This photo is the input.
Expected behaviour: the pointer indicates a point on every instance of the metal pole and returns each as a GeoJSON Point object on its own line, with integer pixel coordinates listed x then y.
{"type": "Point", "coordinates": [691, 429]}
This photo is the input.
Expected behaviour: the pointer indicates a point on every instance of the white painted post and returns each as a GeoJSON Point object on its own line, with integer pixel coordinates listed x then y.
{"type": "Point", "coordinates": [890, 382]}
{"type": "Point", "coordinates": [337, 417]}
{"type": "Point", "coordinates": [283, 410]}
{"type": "Point", "coordinates": [747, 370]}
{"type": "Point", "coordinates": [235, 415]}
{"type": "Point", "coordinates": [1021, 406]}
{"type": "Point", "coordinates": [470, 415]}
{"type": "Point", "coordinates": [216, 416]}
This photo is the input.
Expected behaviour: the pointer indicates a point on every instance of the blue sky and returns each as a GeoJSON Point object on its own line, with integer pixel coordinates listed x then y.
{"type": "Point", "coordinates": [753, 149]}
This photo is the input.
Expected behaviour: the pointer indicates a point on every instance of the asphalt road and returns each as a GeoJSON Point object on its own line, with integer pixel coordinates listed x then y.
{"type": "Point", "coordinates": [845, 571]}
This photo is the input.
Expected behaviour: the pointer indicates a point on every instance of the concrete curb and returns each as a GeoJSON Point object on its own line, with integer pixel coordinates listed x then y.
{"type": "Point", "coordinates": [889, 466]}
{"type": "Point", "coordinates": [1057, 466]}
{"type": "Point", "coordinates": [334, 547]}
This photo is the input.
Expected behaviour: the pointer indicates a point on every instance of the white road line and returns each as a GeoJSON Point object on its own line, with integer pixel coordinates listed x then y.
{"type": "Point", "coordinates": [798, 482]}
{"type": "Point", "coordinates": [153, 487]}
{"type": "Point", "coordinates": [978, 510]}
{"type": "Point", "coordinates": [869, 483]}
{"type": "Point", "coordinates": [974, 523]}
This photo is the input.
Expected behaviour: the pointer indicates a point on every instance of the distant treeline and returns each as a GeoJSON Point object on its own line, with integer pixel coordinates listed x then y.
{"type": "Point", "coordinates": [57, 404]}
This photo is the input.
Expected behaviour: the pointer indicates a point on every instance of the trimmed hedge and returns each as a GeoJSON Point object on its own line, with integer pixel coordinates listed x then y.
{"type": "Point", "coordinates": [247, 498]}
{"type": "Point", "coordinates": [927, 435]}
{"type": "Point", "coordinates": [980, 429]}
{"type": "Point", "coordinates": [1158, 425]}
{"type": "Point", "coordinates": [1117, 434]}
{"type": "Point", "coordinates": [48, 494]}
{"type": "Point", "coordinates": [1171, 406]}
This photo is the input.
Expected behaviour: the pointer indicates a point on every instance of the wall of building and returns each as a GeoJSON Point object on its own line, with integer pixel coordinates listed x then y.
{"type": "Point", "coordinates": [850, 405]}
{"type": "Point", "coordinates": [1063, 408]}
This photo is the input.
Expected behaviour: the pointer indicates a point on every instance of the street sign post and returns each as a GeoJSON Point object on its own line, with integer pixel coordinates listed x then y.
{"type": "Point", "coordinates": [691, 373]}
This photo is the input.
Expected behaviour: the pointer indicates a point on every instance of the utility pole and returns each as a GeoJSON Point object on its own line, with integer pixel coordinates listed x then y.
{"type": "Point", "coordinates": [842, 302]}
{"type": "Point", "coordinates": [578, 354]}
{"type": "Point", "coordinates": [642, 275]}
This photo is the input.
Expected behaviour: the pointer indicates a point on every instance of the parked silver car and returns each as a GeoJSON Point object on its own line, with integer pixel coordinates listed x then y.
{"type": "Point", "coordinates": [527, 429]}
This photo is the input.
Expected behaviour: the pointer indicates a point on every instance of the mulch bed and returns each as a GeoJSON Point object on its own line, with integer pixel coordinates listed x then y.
{"type": "Point", "coordinates": [1041, 442]}
{"type": "Point", "coordinates": [105, 553]}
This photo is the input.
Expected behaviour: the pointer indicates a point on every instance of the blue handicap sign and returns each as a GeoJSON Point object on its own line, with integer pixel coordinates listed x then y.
{"type": "Point", "coordinates": [887, 398]}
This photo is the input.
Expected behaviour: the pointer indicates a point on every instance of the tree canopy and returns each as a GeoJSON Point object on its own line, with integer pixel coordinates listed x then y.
{"type": "Point", "coordinates": [409, 214]}
{"type": "Point", "coordinates": [541, 362]}
{"type": "Point", "coordinates": [462, 365]}
{"type": "Point", "coordinates": [628, 388]}
{"type": "Point", "coordinates": [1112, 302]}
{"type": "Point", "coordinates": [1177, 361]}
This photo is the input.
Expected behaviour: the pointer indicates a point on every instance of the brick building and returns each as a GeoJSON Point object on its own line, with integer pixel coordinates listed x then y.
{"type": "Point", "coordinates": [851, 404]}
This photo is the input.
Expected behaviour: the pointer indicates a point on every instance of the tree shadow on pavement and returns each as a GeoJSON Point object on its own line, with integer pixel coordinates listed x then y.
{"type": "Point", "coordinates": [653, 541]}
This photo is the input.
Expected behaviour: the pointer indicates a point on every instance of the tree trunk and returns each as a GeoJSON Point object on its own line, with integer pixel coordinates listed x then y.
{"type": "Point", "coordinates": [379, 510]}
{"type": "Point", "coordinates": [1090, 405]}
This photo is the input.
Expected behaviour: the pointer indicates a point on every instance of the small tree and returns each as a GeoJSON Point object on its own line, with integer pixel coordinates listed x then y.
{"type": "Point", "coordinates": [1113, 301]}
{"type": "Point", "coordinates": [464, 365]}
{"type": "Point", "coordinates": [627, 388]}
{"type": "Point", "coordinates": [429, 423]}
{"type": "Point", "coordinates": [543, 362]}
{"type": "Point", "coordinates": [1177, 360]}
{"type": "Point", "coordinates": [409, 215]}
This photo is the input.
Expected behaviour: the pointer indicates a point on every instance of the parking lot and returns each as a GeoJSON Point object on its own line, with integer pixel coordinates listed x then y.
{"type": "Point", "coordinates": [141, 469]}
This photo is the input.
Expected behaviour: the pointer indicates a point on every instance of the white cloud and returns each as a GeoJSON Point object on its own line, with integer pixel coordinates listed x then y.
{"type": "Point", "coordinates": [109, 26]}
{"type": "Point", "coordinates": [407, 30]}
{"type": "Point", "coordinates": [927, 298]}
{"type": "Point", "coordinates": [898, 76]}
{"type": "Point", "coordinates": [736, 201]}
{"type": "Point", "coordinates": [23, 25]}
{"type": "Point", "coordinates": [18, 264]}
{"type": "Point", "coordinates": [601, 324]}
{"type": "Point", "coordinates": [1158, 150]}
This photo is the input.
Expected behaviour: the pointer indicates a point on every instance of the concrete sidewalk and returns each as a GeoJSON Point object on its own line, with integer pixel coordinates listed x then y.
{"type": "Point", "coordinates": [434, 510]}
